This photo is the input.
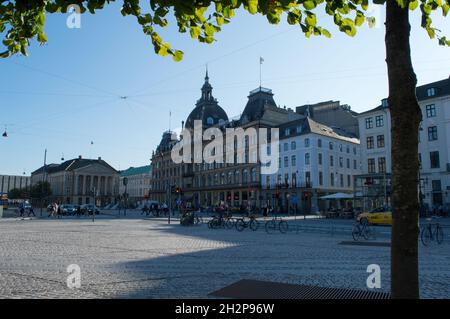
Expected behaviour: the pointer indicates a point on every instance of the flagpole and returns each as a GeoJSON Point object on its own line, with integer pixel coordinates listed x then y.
{"type": "Point", "coordinates": [260, 73]}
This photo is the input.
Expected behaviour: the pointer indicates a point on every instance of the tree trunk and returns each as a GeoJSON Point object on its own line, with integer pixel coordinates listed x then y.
{"type": "Point", "coordinates": [406, 117]}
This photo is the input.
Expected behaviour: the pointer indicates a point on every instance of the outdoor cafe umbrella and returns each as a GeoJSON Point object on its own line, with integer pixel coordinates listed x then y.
{"type": "Point", "coordinates": [338, 196]}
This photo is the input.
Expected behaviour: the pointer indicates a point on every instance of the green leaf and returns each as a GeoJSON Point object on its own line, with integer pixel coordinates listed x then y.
{"type": "Point", "coordinates": [309, 5]}
{"type": "Point", "coordinates": [326, 33]}
{"type": "Point", "coordinates": [359, 20]}
{"type": "Point", "coordinates": [445, 9]}
{"type": "Point", "coordinates": [177, 56]}
{"type": "Point", "coordinates": [311, 19]}
{"type": "Point", "coordinates": [195, 32]}
{"type": "Point", "coordinates": [252, 6]}
{"type": "Point", "coordinates": [413, 5]}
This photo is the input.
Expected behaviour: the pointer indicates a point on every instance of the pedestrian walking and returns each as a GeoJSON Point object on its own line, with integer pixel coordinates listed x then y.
{"type": "Point", "coordinates": [21, 210]}
{"type": "Point", "coordinates": [31, 212]}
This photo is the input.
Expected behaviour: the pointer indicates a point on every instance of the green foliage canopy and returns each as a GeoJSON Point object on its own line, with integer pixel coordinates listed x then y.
{"type": "Point", "coordinates": [22, 21]}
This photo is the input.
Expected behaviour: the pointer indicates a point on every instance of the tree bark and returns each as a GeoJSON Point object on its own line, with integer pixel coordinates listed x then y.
{"type": "Point", "coordinates": [406, 117]}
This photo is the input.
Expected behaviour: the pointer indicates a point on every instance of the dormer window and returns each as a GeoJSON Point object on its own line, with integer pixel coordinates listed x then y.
{"type": "Point", "coordinates": [287, 132]}
{"type": "Point", "coordinates": [384, 103]}
{"type": "Point", "coordinates": [210, 121]}
{"type": "Point", "coordinates": [221, 122]}
{"type": "Point", "coordinates": [431, 92]}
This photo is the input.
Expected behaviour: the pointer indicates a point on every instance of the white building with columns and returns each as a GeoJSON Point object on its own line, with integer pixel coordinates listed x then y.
{"type": "Point", "coordinates": [74, 181]}
{"type": "Point", "coordinates": [314, 161]}
{"type": "Point", "coordinates": [434, 149]}
{"type": "Point", "coordinates": [9, 182]}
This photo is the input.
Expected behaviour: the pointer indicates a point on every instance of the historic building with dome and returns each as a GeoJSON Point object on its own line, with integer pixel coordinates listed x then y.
{"type": "Point", "coordinates": [207, 185]}
{"type": "Point", "coordinates": [302, 176]}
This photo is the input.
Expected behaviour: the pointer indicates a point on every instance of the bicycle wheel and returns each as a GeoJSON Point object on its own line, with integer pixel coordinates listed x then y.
{"type": "Point", "coordinates": [270, 226]}
{"type": "Point", "coordinates": [254, 225]}
{"type": "Point", "coordinates": [283, 226]}
{"type": "Point", "coordinates": [240, 225]}
{"type": "Point", "coordinates": [439, 234]}
{"type": "Point", "coordinates": [366, 232]}
{"type": "Point", "coordinates": [356, 232]}
{"type": "Point", "coordinates": [426, 236]}
{"type": "Point", "coordinates": [364, 221]}
{"type": "Point", "coordinates": [230, 223]}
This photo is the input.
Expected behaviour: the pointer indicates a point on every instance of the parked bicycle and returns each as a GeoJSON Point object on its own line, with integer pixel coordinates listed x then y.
{"type": "Point", "coordinates": [277, 223]}
{"type": "Point", "coordinates": [362, 230]}
{"type": "Point", "coordinates": [198, 220]}
{"type": "Point", "coordinates": [217, 222]}
{"type": "Point", "coordinates": [431, 232]}
{"type": "Point", "coordinates": [247, 222]}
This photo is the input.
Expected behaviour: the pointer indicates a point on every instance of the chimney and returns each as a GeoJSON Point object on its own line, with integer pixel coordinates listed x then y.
{"type": "Point", "coordinates": [182, 125]}
{"type": "Point", "coordinates": [99, 158]}
{"type": "Point", "coordinates": [80, 157]}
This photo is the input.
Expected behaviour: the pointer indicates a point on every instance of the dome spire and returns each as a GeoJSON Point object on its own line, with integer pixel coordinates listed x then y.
{"type": "Point", "coordinates": [207, 88]}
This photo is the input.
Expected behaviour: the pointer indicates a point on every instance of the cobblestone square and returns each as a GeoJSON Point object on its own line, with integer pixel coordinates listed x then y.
{"type": "Point", "coordinates": [147, 258]}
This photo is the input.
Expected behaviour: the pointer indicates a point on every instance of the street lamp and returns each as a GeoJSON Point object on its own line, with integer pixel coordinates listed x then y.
{"type": "Point", "coordinates": [125, 183]}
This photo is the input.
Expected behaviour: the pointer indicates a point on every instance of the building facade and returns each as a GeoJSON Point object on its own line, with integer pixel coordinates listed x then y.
{"type": "Point", "coordinates": [9, 182]}
{"type": "Point", "coordinates": [76, 181]}
{"type": "Point", "coordinates": [314, 161]}
{"type": "Point", "coordinates": [333, 114]}
{"type": "Point", "coordinates": [139, 183]}
{"type": "Point", "coordinates": [373, 187]}
{"type": "Point", "coordinates": [165, 173]}
{"type": "Point", "coordinates": [219, 181]}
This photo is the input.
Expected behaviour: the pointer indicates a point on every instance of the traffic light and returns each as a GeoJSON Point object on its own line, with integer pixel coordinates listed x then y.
{"type": "Point", "coordinates": [277, 195]}
{"type": "Point", "coordinates": [229, 197]}
{"type": "Point", "coordinates": [306, 195]}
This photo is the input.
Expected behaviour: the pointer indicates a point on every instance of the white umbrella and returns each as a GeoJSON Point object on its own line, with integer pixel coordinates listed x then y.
{"type": "Point", "coordinates": [338, 196]}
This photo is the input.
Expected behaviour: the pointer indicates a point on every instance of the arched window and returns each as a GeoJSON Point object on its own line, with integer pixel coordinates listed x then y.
{"type": "Point", "coordinates": [221, 122]}
{"type": "Point", "coordinates": [210, 121]}
{"type": "Point", "coordinates": [222, 178]}
{"type": "Point", "coordinates": [237, 178]}
{"type": "Point", "coordinates": [230, 178]}
{"type": "Point", "coordinates": [209, 180]}
{"type": "Point", "coordinates": [254, 176]}
{"type": "Point", "coordinates": [245, 176]}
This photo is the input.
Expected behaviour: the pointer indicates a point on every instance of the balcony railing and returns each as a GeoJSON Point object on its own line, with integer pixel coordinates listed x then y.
{"type": "Point", "coordinates": [291, 186]}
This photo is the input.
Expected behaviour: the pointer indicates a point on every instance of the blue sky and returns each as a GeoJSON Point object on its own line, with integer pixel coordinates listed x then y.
{"type": "Point", "coordinates": [67, 93]}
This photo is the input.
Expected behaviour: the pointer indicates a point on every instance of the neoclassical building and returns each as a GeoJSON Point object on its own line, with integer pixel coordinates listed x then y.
{"type": "Point", "coordinates": [74, 181]}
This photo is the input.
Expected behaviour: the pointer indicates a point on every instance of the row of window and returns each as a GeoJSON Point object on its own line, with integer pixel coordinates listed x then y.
{"type": "Point", "coordinates": [371, 165]}
{"type": "Point", "coordinates": [319, 161]}
{"type": "Point", "coordinates": [371, 143]}
{"type": "Point", "coordinates": [307, 143]}
{"type": "Point", "coordinates": [379, 121]}
{"type": "Point", "coordinates": [291, 180]}
{"type": "Point", "coordinates": [230, 178]}
{"type": "Point", "coordinates": [430, 111]}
